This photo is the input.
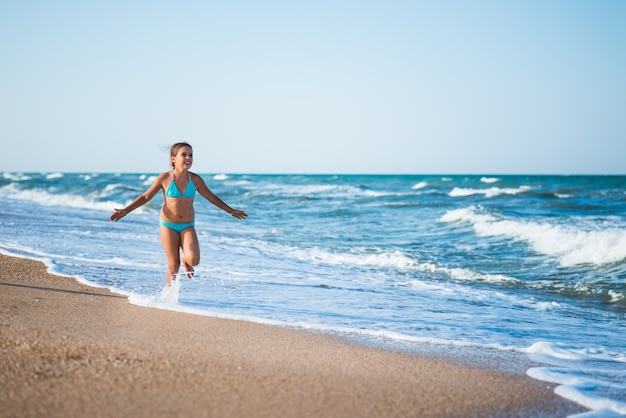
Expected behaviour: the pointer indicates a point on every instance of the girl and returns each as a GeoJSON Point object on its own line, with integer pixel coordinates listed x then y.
{"type": "Point", "coordinates": [177, 230]}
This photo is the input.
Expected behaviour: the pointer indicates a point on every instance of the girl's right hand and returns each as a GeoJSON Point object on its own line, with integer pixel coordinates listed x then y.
{"type": "Point", "coordinates": [239, 214]}
{"type": "Point", "coordinates": [118, 214]}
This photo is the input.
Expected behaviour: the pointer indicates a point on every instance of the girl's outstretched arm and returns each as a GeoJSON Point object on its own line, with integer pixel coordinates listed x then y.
{"type": "Point", "coordinates": [141, 200]}
{"type": "Point", "coordinates": [212, 197]}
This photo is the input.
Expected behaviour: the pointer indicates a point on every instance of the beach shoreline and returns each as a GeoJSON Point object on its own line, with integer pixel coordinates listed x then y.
{"type": "Point", "coordinates": [68, 349]}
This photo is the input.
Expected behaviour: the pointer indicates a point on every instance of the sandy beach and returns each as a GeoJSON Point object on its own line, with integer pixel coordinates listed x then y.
{"type": "Point", "coordinates": [69, 350]}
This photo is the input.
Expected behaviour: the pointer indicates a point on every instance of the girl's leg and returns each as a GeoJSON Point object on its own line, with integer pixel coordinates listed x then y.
{"type": "Point", "coordinates": [191, 249]}
{"type": "Point", "coordinates": [171, 244]}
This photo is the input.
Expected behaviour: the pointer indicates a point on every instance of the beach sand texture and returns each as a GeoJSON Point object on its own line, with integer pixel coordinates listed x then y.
{"type": "Point", "coordinates": [69, 350]}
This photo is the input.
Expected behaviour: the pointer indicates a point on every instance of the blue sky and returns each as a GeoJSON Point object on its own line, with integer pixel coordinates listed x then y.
{"type": "Point", "coordinates": [419, 87]}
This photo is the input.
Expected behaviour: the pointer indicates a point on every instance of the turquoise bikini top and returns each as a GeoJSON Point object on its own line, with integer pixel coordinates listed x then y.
{"type": "Point", "coordinates": [172, 190]}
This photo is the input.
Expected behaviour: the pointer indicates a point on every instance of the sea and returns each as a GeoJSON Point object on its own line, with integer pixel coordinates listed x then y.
{"type": "Point", "coordinates": [525, 267]}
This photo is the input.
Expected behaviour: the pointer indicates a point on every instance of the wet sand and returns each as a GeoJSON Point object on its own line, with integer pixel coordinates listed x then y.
{"type": "Point", "coordinates": [70, 350]}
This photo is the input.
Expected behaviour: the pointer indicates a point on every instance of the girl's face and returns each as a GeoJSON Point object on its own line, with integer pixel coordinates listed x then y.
{"type": "Point", "coordinates": [184, 158]}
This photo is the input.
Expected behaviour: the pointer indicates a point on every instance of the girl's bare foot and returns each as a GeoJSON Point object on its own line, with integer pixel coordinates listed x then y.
{"type": "Point", "coordinates": [169, 278]}
{"type": "Point", "coordinates": [189, 271]}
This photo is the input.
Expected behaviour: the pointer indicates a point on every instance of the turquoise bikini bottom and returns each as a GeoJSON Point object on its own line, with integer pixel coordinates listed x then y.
{"type": "Point", "coordinates": [176, 227]}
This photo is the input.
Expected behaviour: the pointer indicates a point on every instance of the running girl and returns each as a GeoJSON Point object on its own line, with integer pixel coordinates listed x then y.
{"type": "Point", "coordinates": [176, 222]}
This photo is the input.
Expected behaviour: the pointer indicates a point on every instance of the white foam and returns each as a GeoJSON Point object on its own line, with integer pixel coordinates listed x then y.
{"type": "Point", "coordinates": [593, 378]}
{"type": "Point", "coordinates": [220, 177]}
{"type": "Point", "coordinates": [169, 294]}
{"type": "Point", "coordinates": [148, 180]}
{"type": "Point", "coordinates": [570, 245]}
{"type": "Point", "coordinates": [16, 176]}
{"type": "Point", "coordinates": [337, 190]}
{"type": "Point", "coordinates": [54, 176]}
{"type": "Point", "coordinates": [544, 306]}
{"type": "Point", "coordinates": [470, 214]}
{"type": "Point", "coordinates": [489, 180]}
{"type": "Point", "coordinates": [110, 188]}
{"type": "Point", "coordinates": [394, 259]}
{"type": "Point", "coordinates": [42, 197]}
{"type": "Point", "coordinates": [491, 192]}
{"type": "Point", "coordinates": [463, 273]}
{"type": "Point", "coordinates": [615, 296]}
{"type": "Point", "coordinates": [420, 185]}
{"type": "Point", "coordinates": [363, 257]}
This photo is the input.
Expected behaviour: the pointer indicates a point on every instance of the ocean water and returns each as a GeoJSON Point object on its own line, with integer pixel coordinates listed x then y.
{"type": "Point", "coordinates": [533, 265]}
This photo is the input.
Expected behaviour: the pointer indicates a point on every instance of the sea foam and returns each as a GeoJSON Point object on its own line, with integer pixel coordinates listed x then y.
{"type": "Point", "coordinates": [490, 192]}
{"type": "Point", "coordinates": [44, 198]}
{"type": "Point", "coordinates": [569, 244]}
{"type": "Point", "coordinates": [595, 378]}
{"type": "Point", "coordinates": [489, 179]}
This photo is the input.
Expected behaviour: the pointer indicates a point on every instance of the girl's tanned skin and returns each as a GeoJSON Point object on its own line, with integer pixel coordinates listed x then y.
{"type": "Point", "coordinates": [177, 213]}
